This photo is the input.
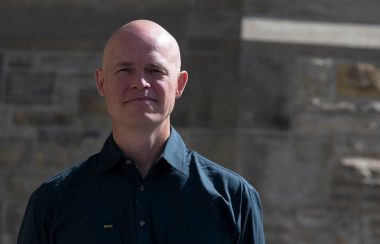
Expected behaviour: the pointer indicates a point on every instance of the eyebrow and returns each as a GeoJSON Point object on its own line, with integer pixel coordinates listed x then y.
{"type": "Point", "coordinates": [150, 65]}
{"type": "Point", "coordinates": [123, 63]}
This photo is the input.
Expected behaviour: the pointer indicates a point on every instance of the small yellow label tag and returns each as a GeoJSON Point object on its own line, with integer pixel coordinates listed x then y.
{"type": "Point", "coordinates": [109, 226]}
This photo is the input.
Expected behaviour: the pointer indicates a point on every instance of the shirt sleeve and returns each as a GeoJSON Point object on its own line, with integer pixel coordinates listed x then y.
{"type": "Point", "coordinates": [252, 230]}
{"type": "Point", "coordinates": [35, 224]}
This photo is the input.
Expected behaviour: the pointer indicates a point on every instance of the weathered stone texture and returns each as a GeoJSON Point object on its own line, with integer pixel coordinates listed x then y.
{"type": "Point", "coordinates": [21, 88]}
{"type": "Point", "coordinates": [306, 114]}
{"type": "Point", "coordinates": [216, 104]}
{"type": "Point", "coordinates": [45, 97]}
{"type": "Point", "coordinates": [64, 25]}
{"type": "Point", "coordinates": [13, 151]}
{"type": "Point", "coordinates": [337, 10]}
{"type": "Point", "coordinates": [355, 198]}
{"type": "Point", "coordinates": [220, 145]}
{"type": "Point", "coordinates": [265, 96]}
{"type": "Point", "coordinates": [360, 79]}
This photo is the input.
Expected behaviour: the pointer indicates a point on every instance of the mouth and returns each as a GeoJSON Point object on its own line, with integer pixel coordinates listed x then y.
{"type": "Point", "coordinates": [140, 99]}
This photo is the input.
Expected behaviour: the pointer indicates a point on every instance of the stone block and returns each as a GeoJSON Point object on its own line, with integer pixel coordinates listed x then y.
{"type": "Point", "coordinates": [6, 115]}
{"type": "Point", "coordinates": [65, 26]}
{"type": "Point", "coordinates": [19, 61]}
{"type": "Point", "coordinates": [356, 185]}
{"type": "Point", "coordinates": [30, 88]}
{"type": "Point", "coordinates": [314, 226]}
{"type": "Point", "coordinates": [1, 222]}
{"type": "Point", "coordinates": [348, 228]}
{"type": "Point", "coordinates": [95, 122]}
{"type": "Point", "coordinates": [373, 229]}
{"type": "Point", "coordinates": [222, 25]}
{"type": "Point", "coordinates": [367, 170]}
{"type": "Point", "coordinates": [266, 98]}
{"type": "Point", "coordinates": [216, 144]}
{"type": "Point", "coordinates": [329, 96]}
{"type": "Point", "coordinates": [299, 163]}
{"type": "Point", "coordinates": [371, 198]}
{"type": "Point", "coordinates": [314, 78]}
{"type": "Point", "coordinates": [68, 88]}
{"type": "Point", "coordinates": [12, 219]}
{"type": "Point", "coordinates": [62, 148]}
{"type": "Point", "coordinates": [91, 102]}
{"type": "Point", "coordinates": [354, 144]}
{"type": "Point", "coordinates": [70, 62]}
{"type": "Point", "coordinates": [20, 185]}
{"type": "Point", "coordinates": [181, 114]}
{"type": "Point", "coordinates": [278, 225]}
{"type": "Point", "coordinates": [1, 65]}
{"type": "Point", "coordinates": [214, 25]}
{"type": "Point", "coordinates": [92, 113]}
{"type": "Point", "coordinates": [63, 137]}
{"type": "Point", "coordinates": [358, 80]}
{"type": "Point", "coordinates": [205, 101]}
{"type": "Point", "coordinates": [339, 122]}
{"type": "Point", "coordinates": [14, 152]}
{"type": "Point", "coordinates": [2, 78]}
{"type": "Point", "coordinates": [202, 67]}
{"type": "Point", "coordinates": [217, 6]}
{"type": "Point", "coordinates": [52, 157]}
{"type": "Point", "coordinates": [43, 118]}
{"type": "Point", "coordinates": [323, 10]}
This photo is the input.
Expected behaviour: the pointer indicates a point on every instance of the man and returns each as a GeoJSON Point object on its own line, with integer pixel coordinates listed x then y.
{"type": "Point", "coordinates": [144, 186]}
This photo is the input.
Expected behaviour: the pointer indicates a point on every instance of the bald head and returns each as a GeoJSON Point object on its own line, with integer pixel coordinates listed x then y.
{"type": "Point", "coordinates": [148, 34]}
{"type": "Point", "coordinates": [140, 76]}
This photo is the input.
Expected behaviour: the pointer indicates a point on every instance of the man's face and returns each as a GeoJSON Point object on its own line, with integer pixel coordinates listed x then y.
{"type": "Point", "coordinates": [140, 80]}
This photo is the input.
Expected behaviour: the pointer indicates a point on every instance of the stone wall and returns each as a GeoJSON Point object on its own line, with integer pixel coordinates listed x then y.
{"type": "Point", "coordinates": [50, 109]}
{"type": "Point", "coordinates": [311, 127]}
{"type": "Point", "coordinates": [301, 122]}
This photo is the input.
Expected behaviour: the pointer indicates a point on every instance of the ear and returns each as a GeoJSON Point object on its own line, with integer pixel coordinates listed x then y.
{"type": "Point", "coordinates": [181, 83]}
{"type": "Point", "coordinates": [99, 76]}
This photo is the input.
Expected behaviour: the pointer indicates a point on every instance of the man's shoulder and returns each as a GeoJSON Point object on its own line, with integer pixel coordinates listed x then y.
{"type": "Point", "coordinates": [78, 172]}
{"type": "Point", "coordinates": [219, 174]}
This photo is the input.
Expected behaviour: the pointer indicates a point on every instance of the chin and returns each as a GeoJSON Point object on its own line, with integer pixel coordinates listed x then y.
{"type": "Point", "coordinates": [146, 121]}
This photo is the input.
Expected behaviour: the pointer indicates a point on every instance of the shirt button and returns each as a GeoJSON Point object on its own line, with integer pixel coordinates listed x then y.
{"type": "Point", "coordinates": [128, 162]}
{"type": "Point", "coordinates": [142, 223]}
{"type": "Point", "coordinates": [142, 188]}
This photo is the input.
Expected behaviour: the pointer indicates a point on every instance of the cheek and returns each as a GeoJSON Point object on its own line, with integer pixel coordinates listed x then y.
{"type": "Point", "coordinates": [116, 86]}
{"type": "Point", "coordinates": [165, 91]}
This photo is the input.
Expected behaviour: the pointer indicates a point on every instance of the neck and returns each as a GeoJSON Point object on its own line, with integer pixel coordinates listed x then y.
{"type": "Point", "coordinates": [143, 146]}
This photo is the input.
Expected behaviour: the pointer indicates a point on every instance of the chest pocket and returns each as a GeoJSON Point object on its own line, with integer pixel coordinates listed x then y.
{"type": "Point", "coordinates": [109, 234]}
{"type": "Point", "coordinates": [197, 235]}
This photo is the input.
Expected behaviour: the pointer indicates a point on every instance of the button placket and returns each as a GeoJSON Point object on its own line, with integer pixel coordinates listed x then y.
{"type": "Point", "coordinates": [142, 213]}
{"type": "Point", "coordinates": [141, 202]}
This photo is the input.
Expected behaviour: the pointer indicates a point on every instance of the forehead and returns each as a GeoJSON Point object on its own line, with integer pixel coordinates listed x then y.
{"type": "Point", "coordinates": [132, 48]}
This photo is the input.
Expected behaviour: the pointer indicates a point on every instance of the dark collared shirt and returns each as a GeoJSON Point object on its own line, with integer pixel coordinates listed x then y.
{"type": "Point", "coordinates": [184, 199]}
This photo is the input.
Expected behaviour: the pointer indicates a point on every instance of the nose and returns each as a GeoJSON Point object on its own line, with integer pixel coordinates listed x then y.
{"type": "Point", "coordinates": [140, 82]}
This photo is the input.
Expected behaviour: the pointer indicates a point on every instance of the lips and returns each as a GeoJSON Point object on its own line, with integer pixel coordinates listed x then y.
{"type": "Point", "coordinates": [140, 99]}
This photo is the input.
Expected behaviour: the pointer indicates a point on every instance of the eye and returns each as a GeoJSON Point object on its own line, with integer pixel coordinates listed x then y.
{"type": "Point", "coordinates": [155, 71]}
{"type": "Point", "coordinates": [125, 70]}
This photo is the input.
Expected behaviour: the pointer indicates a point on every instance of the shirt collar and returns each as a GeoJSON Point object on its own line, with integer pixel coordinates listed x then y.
{"type": "Point", "coordinates": [110, 155]}
{"type": "Point", "coordinates": [174, 153]}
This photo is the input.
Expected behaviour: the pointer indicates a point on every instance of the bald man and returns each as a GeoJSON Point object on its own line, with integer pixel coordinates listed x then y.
{"type": "Point", "coordinates": [144, 186]}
